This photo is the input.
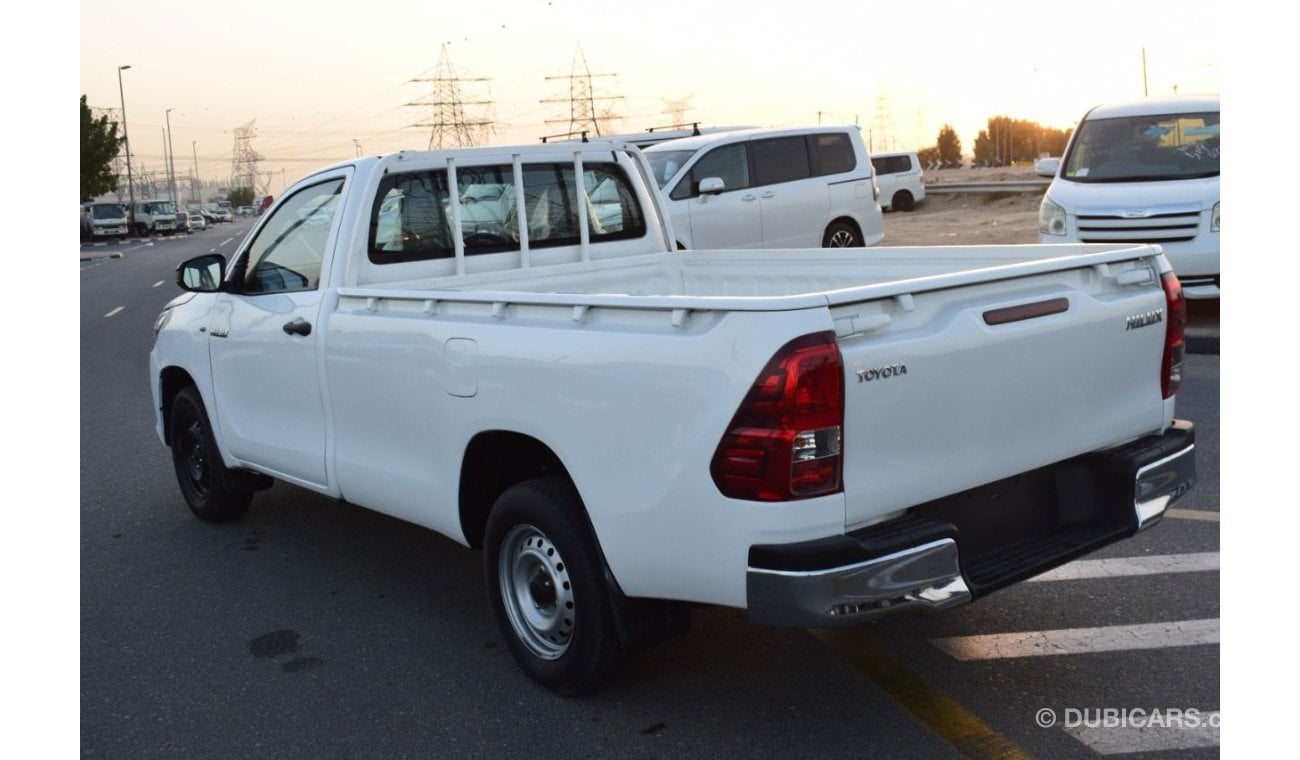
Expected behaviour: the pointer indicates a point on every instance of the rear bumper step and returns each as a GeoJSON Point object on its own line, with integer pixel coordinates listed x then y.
{"type": "Point", "coordinates": [952, 550]}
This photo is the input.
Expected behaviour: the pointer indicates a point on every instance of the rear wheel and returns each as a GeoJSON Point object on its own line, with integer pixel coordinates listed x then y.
{"type": "Point", "coordinates": [545, 579]}
{"type": "Point", "coordinates": [841, 235]}
{"type": "Point", "coordinates": [209, 487]}
{"type": "Point", "coordinates": [902, 201]}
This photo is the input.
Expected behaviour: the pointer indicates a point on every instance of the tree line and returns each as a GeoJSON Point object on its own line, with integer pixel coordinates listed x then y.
{"type": "Point", "coordinates": [1003, 142]}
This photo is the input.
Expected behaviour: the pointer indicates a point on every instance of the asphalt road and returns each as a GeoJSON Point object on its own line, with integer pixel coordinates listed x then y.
{"type": "Point", "coordinates": [321, 630]}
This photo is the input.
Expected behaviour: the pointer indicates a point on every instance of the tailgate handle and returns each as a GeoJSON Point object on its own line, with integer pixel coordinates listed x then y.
{"type": "Point", "coordinates": [1026, 311]}
{"type": "Point", "coordinates": [1134, 277]}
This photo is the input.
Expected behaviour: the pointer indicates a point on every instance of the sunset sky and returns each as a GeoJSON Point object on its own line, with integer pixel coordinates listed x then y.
{"type": "Point", "coordinates": [321, 79]}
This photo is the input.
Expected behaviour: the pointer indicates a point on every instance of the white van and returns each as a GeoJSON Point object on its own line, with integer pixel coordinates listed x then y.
{"type": "Point", "coordinates": [769, 188]}
{"type": "Point", "coordinates": [1145, 171]}
{"type": "Point", "coordinates": [899, 177]}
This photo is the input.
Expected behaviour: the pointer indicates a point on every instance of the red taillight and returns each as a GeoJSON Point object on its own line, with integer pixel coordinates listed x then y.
{"type": "Point", "coordinates": [1171, 368]}
{"type": "Point", "coordinates": [784, 442]}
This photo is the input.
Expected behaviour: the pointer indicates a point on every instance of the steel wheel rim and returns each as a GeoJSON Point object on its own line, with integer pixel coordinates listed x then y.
{"type": "Point", "coordinates": [194, 459]}
{"type": "Point", "coordinates": [536, 592]}
{"type": "Point", "coordinates": [842, 239]}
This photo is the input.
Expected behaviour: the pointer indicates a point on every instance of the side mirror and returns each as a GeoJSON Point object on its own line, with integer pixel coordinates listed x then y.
{"type": "Point", "coordinates": [202, 274]}
{"type": "Point", "coordinates": [712, 186]}
{"type": "Point", "coordinates": [1047, 167]}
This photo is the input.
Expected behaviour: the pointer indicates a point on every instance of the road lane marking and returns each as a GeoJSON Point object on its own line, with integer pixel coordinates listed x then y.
{"type": "Point", "coordinates": [1174, 729]}
{"type": "Point", "coordinates": [941, 713]}
{"type": "Point", "coordinates": [1193, 514]}
{"type": "Point", "coordinates": [1129, 566]}
{"type": "Point", "coordinates": [1114, 638]}
{"type": "Point", "coordinates": [114, 312]}
{"type": "Point", "coordinates": [223, 242]}
{"type": "Point", "coordinates": [160, 282]}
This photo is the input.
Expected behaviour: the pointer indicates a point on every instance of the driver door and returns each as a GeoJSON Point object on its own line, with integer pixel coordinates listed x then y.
{"type": "Point", "coordinates": [263, 340]}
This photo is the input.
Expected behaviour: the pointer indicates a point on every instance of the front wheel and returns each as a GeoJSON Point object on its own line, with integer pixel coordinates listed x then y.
{"type": "Point", "coordinates": [545, 579]}
{"type": "Point", "coordinates": [208, 485]}
{"type": "Point", "coordinates": [841, 235]}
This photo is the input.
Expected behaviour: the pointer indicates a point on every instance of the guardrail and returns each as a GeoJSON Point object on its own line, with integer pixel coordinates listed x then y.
{"type": "Point", "coordinates": [1014, 186]}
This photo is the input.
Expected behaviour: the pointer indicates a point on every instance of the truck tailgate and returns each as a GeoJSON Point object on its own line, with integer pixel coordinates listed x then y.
{"type": "Point", "coordinates": [950, 389]}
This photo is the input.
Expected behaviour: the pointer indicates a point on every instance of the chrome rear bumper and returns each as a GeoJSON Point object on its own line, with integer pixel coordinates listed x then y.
{"type": "Point", "coordinates": [948, 552]}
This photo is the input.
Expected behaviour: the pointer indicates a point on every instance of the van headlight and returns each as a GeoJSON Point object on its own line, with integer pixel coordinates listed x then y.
{"type": "Point", "coordinates": [1214, 219]}
{"type": "Point", "coordinates": [1051, 218]}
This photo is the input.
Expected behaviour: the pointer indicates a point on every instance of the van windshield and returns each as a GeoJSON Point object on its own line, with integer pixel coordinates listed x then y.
{"type": "Point", "coordinates": [665, 163]}
{"type": "Point", "coordinates": [1145, 148]}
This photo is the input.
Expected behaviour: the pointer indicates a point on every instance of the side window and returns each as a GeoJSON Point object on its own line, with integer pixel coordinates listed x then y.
{"type": "Point", "coordinates": [411, 219]}
{"type": "Point", "coordinates": [728, 162]}
{"type": "Point", "coordinates": [780, 159]}
{"type": "Point", "coordinates": [551, 205]}
{"type": "Point", "coordinates": [832, 154]}
{"type": "Point", "coordinates": [891, 164]}
{"type": "Point", "coordinates": [290, 248]}
{"type": "Point", "coordinates": [613, 212]}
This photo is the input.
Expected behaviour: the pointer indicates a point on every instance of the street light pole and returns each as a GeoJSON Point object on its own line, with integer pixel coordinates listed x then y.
{"type": "Point", "coordinates": [130, 189]}
{"type": "Point", "coordinates": [171, 159]}
{"type": "Point", "coordinates": [198, 197]}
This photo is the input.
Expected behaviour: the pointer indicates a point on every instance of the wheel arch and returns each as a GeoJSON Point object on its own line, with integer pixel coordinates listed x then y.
{"type": "Point", "coordinates": [171, 380]}
{"type": "Point", "coordinates": [847, 220]}
{"type": "Point", "coordinates": [494, 461]}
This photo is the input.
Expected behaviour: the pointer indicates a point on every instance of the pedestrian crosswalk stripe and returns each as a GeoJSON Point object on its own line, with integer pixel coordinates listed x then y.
{"type": "Point", "coordinates": [1081, 640]}
{"type": "Point", "coordinates": [1128, 566]}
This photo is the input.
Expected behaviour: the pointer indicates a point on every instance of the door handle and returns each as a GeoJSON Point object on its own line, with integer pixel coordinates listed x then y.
{"type": "Point", "coordinates": [768, 194]}
{"type": "Point", "coordinates": [298, 326]}
{"type": "Point", "coordinates": [748, 198]}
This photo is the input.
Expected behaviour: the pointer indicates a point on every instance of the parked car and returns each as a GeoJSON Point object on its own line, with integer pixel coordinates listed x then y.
{"type": "Point", "coordinates": [197, 221]}
{"type": "Point", "coordinates": [1144, 171]}
{"type": "Point", "coordinates": [769, 188]}
{"type": "Point", "coordinates": [245, 210]}
{"type": "Point", "coordinates": [899, 177]}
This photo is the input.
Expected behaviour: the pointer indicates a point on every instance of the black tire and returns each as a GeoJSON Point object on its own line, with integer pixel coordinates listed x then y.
{"type": "Point", "coordinates": [141, 230]}
{"type": "Point", "coordinates": [208, 486]}
{"type": "Point", "coordinates": [546, 583]}
{"type": "Point", "coordinates": [841, 235]}
{"type": "Point", "coordinates": [902, 201]}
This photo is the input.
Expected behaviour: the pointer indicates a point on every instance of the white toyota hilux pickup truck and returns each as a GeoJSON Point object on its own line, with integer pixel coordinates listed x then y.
{"type": "Point", "coordinates": [503, 345]}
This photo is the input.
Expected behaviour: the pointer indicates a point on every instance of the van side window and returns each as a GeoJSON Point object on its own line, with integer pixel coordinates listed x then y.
{"type": "Point", "coordinates": [728, 162]}
{"type": "Point", "coordinates": [780, 159]}
{"type": "Point", "coordinates": [832, 154]}
{"type": "Point", "coordinates": [891, 164]}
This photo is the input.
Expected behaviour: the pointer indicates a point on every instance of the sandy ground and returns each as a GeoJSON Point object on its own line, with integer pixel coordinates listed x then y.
{"type": "Point", "coordinates": [968, 218]}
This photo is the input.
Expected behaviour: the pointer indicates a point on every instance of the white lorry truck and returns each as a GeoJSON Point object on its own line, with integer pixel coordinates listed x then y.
{"type": "Point", "coordinates": [152, 217]}
{"type": "Point", "coordinates": [816, 436]}
{"type": "Point", "coordinates": [104, 220]}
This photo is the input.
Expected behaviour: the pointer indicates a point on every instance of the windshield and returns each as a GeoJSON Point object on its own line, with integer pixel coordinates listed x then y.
{"type": "Point", "coordinates": [162, 207]}
{"type": "Point", "coordinates": [665, 163]}
{"type": "Point", "coordinates": [108, 211]}
{"type": "Point", "coordinates": [1145, 148]}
